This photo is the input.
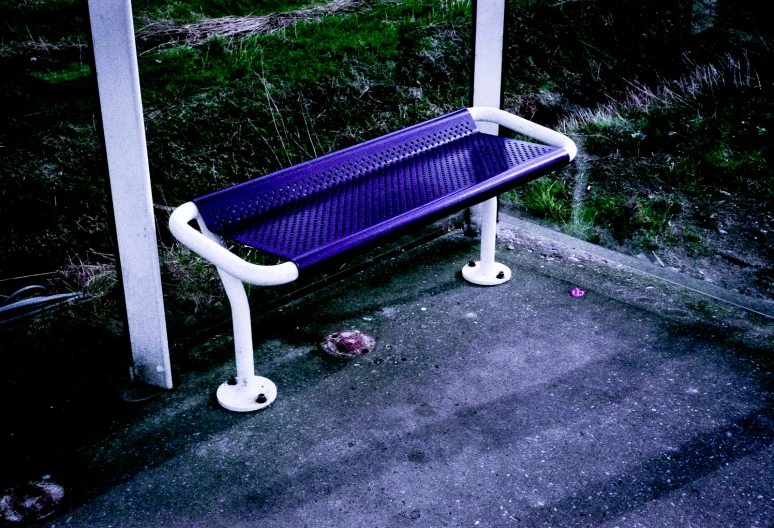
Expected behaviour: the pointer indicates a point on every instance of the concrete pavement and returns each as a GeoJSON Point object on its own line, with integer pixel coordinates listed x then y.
{"type": "Point", "coordinates": [641, 403]}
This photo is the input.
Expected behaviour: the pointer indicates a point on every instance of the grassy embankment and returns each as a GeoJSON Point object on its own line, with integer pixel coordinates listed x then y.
{"type": "Point", "coordinates": [216, 113]}
{"type": "Point", "coordinates": [675, 134]}
{"type": "Point", "coordinates": [657, 154]}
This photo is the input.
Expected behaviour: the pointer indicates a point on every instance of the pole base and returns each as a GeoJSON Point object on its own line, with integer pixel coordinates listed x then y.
{"type": "Point", "coordinates": [498, 275]}
{"type": "Point", "coordinates": [259, 393]}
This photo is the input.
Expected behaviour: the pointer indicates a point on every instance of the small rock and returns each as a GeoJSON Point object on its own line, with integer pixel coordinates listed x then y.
{"type": "Point", "coordinates": [346, 344]}
{"type": "Point", "coordinates": [722, 231]}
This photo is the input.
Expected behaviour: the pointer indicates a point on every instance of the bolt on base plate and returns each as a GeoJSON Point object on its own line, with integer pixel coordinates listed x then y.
{"type": "Point", "coordinates": [259, 393]}
{"type": "Point", "coordinates": [499, 274]}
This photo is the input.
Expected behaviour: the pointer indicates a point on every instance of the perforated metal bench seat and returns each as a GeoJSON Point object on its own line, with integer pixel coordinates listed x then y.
{"type": "Point", "coordinates": [330, 205]}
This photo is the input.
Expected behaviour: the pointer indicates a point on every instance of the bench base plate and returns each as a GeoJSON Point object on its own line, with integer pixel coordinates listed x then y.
{"type": "Point", "coordinates": [259, 394]}
{"type": "Point", "coordinates": [499, 274]}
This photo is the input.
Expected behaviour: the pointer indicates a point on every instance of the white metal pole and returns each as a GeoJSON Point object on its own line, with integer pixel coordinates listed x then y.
{"type": "Point", "coordinates": [246, 392]}
{"type": "Point", "coordinates": [487, 90]}
{"type": "Point", "coordinates": [488, 236]}
{"type": "Point", "coordinates": [488, 60]}
{"type": "Point", "coordinates": [115, 58]}
{"type": "Point", "coordinates": [487, 73]}
{"type": "Point", "coordinates": [243, 335]}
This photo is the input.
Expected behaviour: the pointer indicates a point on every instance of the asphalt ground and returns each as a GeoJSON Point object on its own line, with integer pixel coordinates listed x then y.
{"type": "Point", "coordinates": [641, 403]}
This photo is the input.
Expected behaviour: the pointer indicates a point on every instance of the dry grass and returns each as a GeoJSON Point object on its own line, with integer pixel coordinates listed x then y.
{"type": "Point", "coordinates": [680, 92]}
{"type": "Point", "coordinates": [39, 47]}
{"type": "Point", "coordinates": [96, 280]}
{"type": "Point", "coordinates": [161, 33]}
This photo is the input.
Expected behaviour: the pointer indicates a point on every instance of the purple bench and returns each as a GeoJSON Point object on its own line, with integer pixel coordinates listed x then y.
{"type": "Point", "coordinates": [339, 203]}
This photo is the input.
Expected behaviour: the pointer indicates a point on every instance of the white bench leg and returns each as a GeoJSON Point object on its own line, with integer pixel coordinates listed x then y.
{"type": "Point", "coordinates": [487, 272]}
{"type": "Point", "coordinates": [245, 391]}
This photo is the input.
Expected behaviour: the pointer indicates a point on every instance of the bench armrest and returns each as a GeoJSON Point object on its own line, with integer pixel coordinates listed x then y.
{"type": "Point", "coordinates": [211, 247]}
{"type": "Point", "coordinates": [522, 126]}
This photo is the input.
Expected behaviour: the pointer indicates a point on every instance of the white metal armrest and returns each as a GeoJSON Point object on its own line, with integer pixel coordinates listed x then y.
{"type": "Point", "coordinates": [522, 126]}
{"type": "Point", "coordinates": [211, 247]}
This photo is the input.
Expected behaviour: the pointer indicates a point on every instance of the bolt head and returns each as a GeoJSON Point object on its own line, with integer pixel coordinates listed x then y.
{"type": "Point", "coordinates": [232, 380]}
{"type": "Point", "coordinates": [472, 263]}
{"type": "Point", "coordinates": [501, 275]}
{"type": "Point", "coordinates": [261, 398]}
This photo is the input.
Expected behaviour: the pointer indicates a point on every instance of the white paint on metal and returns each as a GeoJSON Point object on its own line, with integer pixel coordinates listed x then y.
{"type": "Point", "coordinates": [487, 272]}
{"type": "Point", "coordinates": [488, 61]}
{"type": "Point", "coordinates": [522, 126]}
{"type": "Point", "coordinates": [473, 275]}
{"type": "Point", "coordinates": [249, 392]}
{"type": "Point", "coordinates": [488, 235]}
{"type": "Point", "coordinates": [211, 247]}
{"type": "Point", "coordinates": [115, 57]}
{"type": "Point", "coordinates": [487, 74]}
{"type": "Point", "coordinates": [261, 393]}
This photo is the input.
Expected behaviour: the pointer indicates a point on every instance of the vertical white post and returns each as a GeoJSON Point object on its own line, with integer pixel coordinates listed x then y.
{"type": "Point", "coordinates": [115, 58]}
{"type": "Point", "coordinates": [487, 74]}
{"type": "Point", "coordinates": [487, 90]}
{"type": "Point", "coordinates": [488, 237]}
{"type": "Point", "coordinates": [488, 60]}
{"type": "Point", "coordinates": [245, 392]}
{"type": "Point", "coordinates": [243, 335]}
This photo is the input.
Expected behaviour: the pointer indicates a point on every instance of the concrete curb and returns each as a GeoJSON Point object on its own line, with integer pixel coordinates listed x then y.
{"type": "Point", "coordinates": [757, 306]}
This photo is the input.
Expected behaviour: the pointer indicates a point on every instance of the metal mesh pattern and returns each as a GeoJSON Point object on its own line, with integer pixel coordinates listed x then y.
{"type": "Point", "coordinates": [319, 209]}
{"type": "Point", "coordinates": [327, 172]}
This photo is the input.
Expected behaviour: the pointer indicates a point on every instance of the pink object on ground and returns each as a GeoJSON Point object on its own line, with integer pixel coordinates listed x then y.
{"type": "Point", "coordinates": [347, 344]}
{"type": "Point", "coordinates": [576, 292]}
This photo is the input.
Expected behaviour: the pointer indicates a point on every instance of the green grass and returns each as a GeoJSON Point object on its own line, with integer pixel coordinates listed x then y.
{"type": "Point", "coordinates": [226, 111]}
{"type": "Point", "coordinates": [352, 78]}
{"type": "Point", "coordinates": [715, 136]}
{"type": "Point", "coordinates": [65, 21]}
{"type": "Point", "coordinates": [645, 220]}
{"type": "Point", "coordinates": [71, 72]}
{"type": "Point", "coordinates": [544, 198]}
{"type": "Point", "coordinates": [217, 114]}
